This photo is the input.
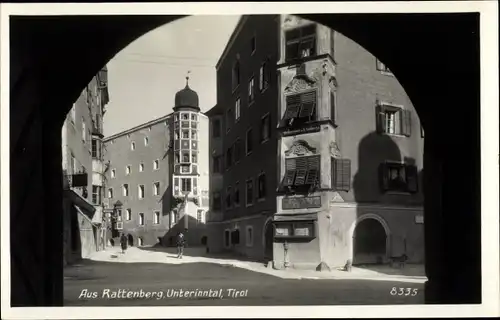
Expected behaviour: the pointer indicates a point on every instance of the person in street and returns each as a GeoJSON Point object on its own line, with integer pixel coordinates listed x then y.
{"type": "Point", "coordinates": [180, 245]}
{"type": "Point", "coordinates": [123, 242]}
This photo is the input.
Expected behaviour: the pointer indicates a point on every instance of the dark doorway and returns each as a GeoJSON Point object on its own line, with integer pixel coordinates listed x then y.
{"type": "Point", "coordinates": [130, 240]}
{"type": "Point", "coordinates": [269, 240]}
{"type": "Point", "coordinates": [204, 240]}
{"type": "Point", "coordinates": [370, 242]}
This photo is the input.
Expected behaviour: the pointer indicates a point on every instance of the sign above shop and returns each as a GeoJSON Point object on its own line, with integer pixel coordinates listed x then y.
{"type": "Point", "coordinates": [301, 203]}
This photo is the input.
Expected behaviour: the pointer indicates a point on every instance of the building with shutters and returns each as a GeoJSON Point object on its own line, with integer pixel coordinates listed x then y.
{"type": "Point", "coordinates": [83, 172]}
{"type": "Point", "coordinates": [320, 156]}
{"type": "Point", "coordinates": [158, 176]}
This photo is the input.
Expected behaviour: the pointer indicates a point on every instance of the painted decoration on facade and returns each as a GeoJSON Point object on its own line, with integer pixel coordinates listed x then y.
{"type": "Point", "coordinates": [337, 198]}
{"type": "Point", "coordinates": [301, 203]}
{"type": "Point", "coordinates": [300, 84]}
{"type": "Point", "coordinates": [300, 148]}
{"type": "Point", "coordinates": [297, 131]}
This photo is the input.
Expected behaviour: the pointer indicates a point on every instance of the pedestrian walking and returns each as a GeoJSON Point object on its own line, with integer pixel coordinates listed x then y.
{"type": "Point", "coordinates": [123, 242]}
{"type": "Point", "coordinates": [180, 244]}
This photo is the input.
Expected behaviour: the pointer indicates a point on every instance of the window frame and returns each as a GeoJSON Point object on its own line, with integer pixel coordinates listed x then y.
{"type": "Point", "coordinates": [142, 219]}
{"type": "Point", "coordinates": [251, 90]}
{"type": "Point", "coordinates": [247, 136]}
{"type": "Point", "coordinates": [259, 177]}
{"type": "Point", "coordinates": [139, 189]}
{"type": "Point", "coordinates": [156, 188]}
{"type": "Point", "coordinates": [125, 190]}
{"type": "Point", "coordinates": [156, 164]}
{"type": "Point", "coordinates": [156, 217]}
{"type": "Point", "coordinates": [262, 126]}
{"type": "Point", "coordinates": [237, 109]}
{"type": "Point", "coordinates": [292, 173]}
{"type": "Point", "coordinates": [249, 240]}
{"type": "Point", "coordinates": [300, 40]}
{"type": "Point", "coordinates": [289, 114]}
{"type": "Point", "coordinates": [247, 203]}
{"type": "Point", "coordinates": [236, 194]}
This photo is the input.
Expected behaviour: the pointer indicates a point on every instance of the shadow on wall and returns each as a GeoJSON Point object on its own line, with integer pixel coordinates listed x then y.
{"type": "Point", "coordinates": [194, 233]}
{"type": "Point", "coordinates": [381, 177]}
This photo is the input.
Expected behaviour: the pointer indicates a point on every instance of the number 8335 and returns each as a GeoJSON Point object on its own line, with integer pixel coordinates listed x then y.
{"type": "Point", "coordinates": [404, 291]}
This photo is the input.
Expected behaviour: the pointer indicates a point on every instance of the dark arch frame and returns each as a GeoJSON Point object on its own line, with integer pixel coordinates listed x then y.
{"type": "Point", "coordinates": [421, 50]}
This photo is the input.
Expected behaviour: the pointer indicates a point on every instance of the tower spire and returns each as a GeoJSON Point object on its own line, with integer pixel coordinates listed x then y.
{"type": "Point", "coordinates": [187, 78]}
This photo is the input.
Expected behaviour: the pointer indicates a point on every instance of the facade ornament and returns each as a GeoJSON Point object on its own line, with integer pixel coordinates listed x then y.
{"type": "Point", "coordinates": [334, 150]}
{"type": "Point", "coordinates": [300, 148]}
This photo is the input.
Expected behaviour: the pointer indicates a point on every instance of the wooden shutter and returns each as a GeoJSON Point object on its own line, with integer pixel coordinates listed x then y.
{"type": "Point", "coordinates": [412, 178]}
{"type": "Point", "coordinates": [405, 116]}
{"type": "Point", "coordinates": [292, 106]}
{"type": "Point", "coordinates": [384, 177]}
{"type": "Point", "coordinates": [308, 102]}
{"type": "Point", "coordinates": [290, 171]}
{"type": "Point", "coordinates": [312, 170]}
{"type": "Point", "coordinates": [380, 119]}
{"type": "Point", "coordinates": [300, 177]}
{"type": "Point", "coordinates": [342, 180]}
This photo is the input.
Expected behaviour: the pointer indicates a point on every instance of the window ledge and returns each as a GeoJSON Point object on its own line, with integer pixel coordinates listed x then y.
{"type": "Point", "coordinates": [249, 205]}
{"type": "Point", "coordinates": [261, 199]}
{"type": "Point", "coordinates": [264, 141]}
{"type": "Point", "coordinates": [251, 102]}
{"type": "Point", "coordinates": [249, 153]}
{"type": "Point", "coordinates": [264, 89]}
{"type": "Point", "coordinates": [386, 73]}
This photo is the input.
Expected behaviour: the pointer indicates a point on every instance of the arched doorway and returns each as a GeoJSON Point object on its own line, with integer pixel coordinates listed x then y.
{"type": "Point", "coordinates": [370, 240]}
{"type": "Point", "coordinates": [130, 240]}
{"type": "Point", "coordinates": [268, 240]}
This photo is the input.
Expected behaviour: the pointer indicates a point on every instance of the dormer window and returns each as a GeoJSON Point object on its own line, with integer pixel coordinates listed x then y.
{"type": "Point", "coordinates": [300, 42]}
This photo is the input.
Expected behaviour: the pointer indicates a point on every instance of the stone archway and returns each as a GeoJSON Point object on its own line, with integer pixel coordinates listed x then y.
{"type": "Point", "coordinates": [370, 240]}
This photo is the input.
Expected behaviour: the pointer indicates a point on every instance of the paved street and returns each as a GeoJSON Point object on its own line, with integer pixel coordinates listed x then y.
{"type": "Point", "coordinates": [263, 289]}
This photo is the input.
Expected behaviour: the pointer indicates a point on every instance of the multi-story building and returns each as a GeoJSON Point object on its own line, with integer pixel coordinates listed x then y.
{"type": "Point", "coordinates": [158, 176]}
{"type": "Point", "coordinates": [333, 150]}
{"type": "Point", "coordinates": [83, 168]}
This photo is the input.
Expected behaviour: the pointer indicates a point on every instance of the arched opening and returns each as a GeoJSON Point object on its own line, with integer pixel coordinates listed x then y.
{"type": "Point", "coordinates": [369, 242]}
{"type": "Point", "coordinates": [130, 240]}
{"type": "Point", "coordinates": [268, 240]}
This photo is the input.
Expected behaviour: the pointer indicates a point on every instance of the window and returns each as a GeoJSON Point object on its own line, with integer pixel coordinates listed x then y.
{"type": "Point", "coordinates": [265, 128]}
{"type": "Point", "coordinates": [249, 236]}
{"type": "Point", "coordinates": [140, 190]}
{"type": "Point", "coordinates": [217, 165]}
{"type": "Point", "coordinates": [341, 174]}
{"type": "Point", "coordinates": [235, 236]}
{"type": "Point", "coordinates": [333, 107]}
{"type": "Point", "coordinates": [237, 194]}
{"type": "Point", "coordinates": [422, 135]}
{"type": "Point", "coordinates": [184, 116]}
{"type": "Point", "coordinates": [84, 130]}
{"type": "Point", "coordinates": [194, 117]}
{"type": "Point", "coordinates": [216, 128]}
{"type": "Point", "coordinates": [264, 76]}
{"type": "Point", "coordinates": [125, 190]}
{"type": "Point", "coordinates": [216, 204]}
{"type": "Point", "coordinates": [199, 216]}
{"type": "Point", "coordinates": [249, 141]}
{"type": "Point", "coordinates": [237, 150]}
{"type": "Point", "coordinates": [253, 45]}
{"type": "Point", "coordinates": [237, 113]}
{"type": "Point", "coordinates": [186, 184]}
{"type": "Point", "coordinates": [251, 91]}
{"type": "Point", "coordinates": [113, 173]}
{"type": "Point", "coordinates": [300, 42]}
{"type": "Point", "coordinates": [194, 157]}
{"type": "Point", "coordinates": [229, 115]}
{"type": "Point", "coordinates": [128, 214]}
{"type": "Point", "coordinates": [228, 197]}
{"type": "Point", "coordinates": [249, 192]}
{"type": "Point", "coordinates": [141, 219]}
{"type": "Point", "coordinates": [236, 75]}
{"type": "Point", "coordinates": [227, 238]}
{"type": "Point", "coordinates": [194, 125]}
{"type": "Point", "coordinates": [261, 185]}
{"type": "Point", "coordinates": [174, 216]}
{"type": "Point", "coordinates": [127, 170]}
{"type": "Point", "coordinates": [96, 195]}
{"type": "Point", "coordinates": [141, 167]}
{"type": "Point", "coordinates": [156, 188]}
{"type": "Point", "coordinates": [95, 148]}
{"type": "Point", "coordinates": [140, 241]}
{"type": "Point", "coordinates": [229, 157]}
{"type": "Point", "coordinates": [194, 134]}
{"type": "Point", "coordinates": [177, 158]}
{"type": "Point", "coordinates": [110, 193]}
{"type": "Point", "coordinates": [132, 146]}
{"type": "Point", "coordinates": [185, 134]}
{"type": "Point", "coordinates": [382, 67]}
{"type": "Point", "coordinates": [393, 120]}
{"type": "Point", "coordinates": [156, 217]}
{"type": "Point", "coordinates": [302, 171]}
{"type": "Point", "coordinates": [185, 157]}
{"type": "Point", "coordinates": [156, 165]}
{"type": "Point", "coordinates": [398, 177]}
{"type": "Point", "coordinates": [300, 107]}
{"type": "Point", "coordinates": [146, 141]}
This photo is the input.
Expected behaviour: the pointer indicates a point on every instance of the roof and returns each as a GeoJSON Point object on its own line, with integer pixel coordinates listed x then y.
{"type": "Point", "coordinates": [216, 110]}
{"type": "Point", "coordinates": [186, 98]}
{"type": "Point", "coordinates": [139, 127]}
{"type": "Point", "coordinates": [232, 38]}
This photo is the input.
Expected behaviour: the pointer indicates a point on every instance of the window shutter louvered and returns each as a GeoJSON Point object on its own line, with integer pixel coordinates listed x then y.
{"type": "Point", "coordinates": [407, 121]}
{"type": "Point", "coordinates": [300, 177]}
{"type": "Point", "coordinates": [346, 174]}
{"type": "Point", "coordinates": [312, 170]}
{"type": "Point", "coordinates": [338, 175]}
{"type": "Point", "coordinates": [379, 118]}
{"type": "Point", "coordinates": [308, 101]}
{"type": "Point", "coordinates": [290, 170]}
{"type": "Point", "coordinates": [384, 177]}
{"type": "Point", "coordinates": [412, 178]}
{"type": "Point", "coordinates": [292, 107]}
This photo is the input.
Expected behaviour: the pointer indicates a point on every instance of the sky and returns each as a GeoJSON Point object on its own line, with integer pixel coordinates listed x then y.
{"type": "Point", "coordinates": [144, 77]}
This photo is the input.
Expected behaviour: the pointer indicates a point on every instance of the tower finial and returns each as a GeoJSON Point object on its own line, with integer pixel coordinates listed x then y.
{"type": "Point", "coordinates": [187, 78]}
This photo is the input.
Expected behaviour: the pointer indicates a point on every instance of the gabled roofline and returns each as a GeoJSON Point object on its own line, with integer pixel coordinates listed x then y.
{"type": "Point", "coordinates": [232, 38]}
{"type": "Point", "coordinates": [141, 126]}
